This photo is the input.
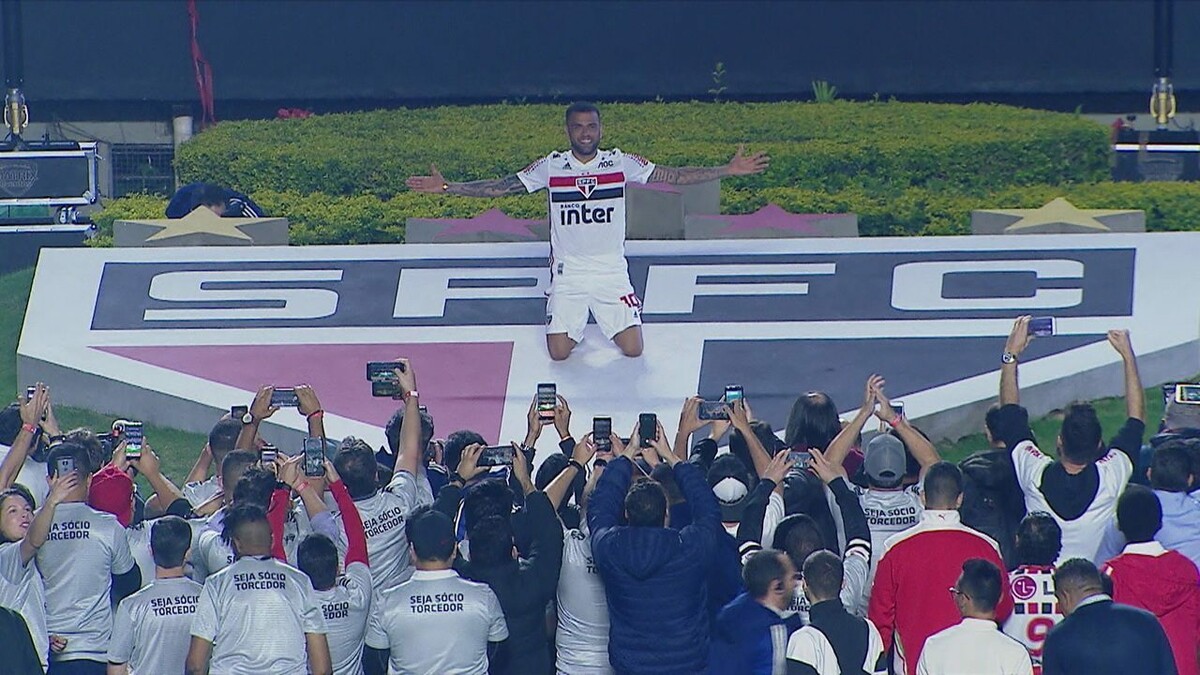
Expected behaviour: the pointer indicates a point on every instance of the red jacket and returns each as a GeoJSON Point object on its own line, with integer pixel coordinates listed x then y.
{"type": "Point", "coordinates": [911, 599]}
{"type": "Point", "coordinates": [1166, 584]}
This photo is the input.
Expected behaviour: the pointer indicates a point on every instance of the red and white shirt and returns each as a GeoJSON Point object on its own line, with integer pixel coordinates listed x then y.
{"type": "Point", "coordinates": [1035, 609]}
{"type": "Point", "coordinates": [587, 207]}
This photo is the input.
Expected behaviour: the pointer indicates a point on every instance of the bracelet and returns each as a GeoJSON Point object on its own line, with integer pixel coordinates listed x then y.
{"type": "Point", "coordinates": [577, 465]}
{"type": "Point", "coordinates": [27, 427]}
{"type": "Point", "coordinates": [895, 421]}
{"type": "Point", "coordinates": [302, 486]}
{"type": "Point", "coordinates": [409, 394]}
{"type": "Point", "coordinates": [316, 413]}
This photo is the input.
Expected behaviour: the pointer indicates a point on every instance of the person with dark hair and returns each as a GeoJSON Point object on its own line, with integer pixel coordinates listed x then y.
{"type": "Point", "coordinates": [436, 621]}
{"type": "Point", "coordinates": [152, 628]}
{"type": "Point", "coordinates": [992, 499]}
{"type": "Point", "coordinates": [973, 645]}
{"type": "Point", "coordinates": [23, 427]}
{"type": "Point", "coordinates": [22, 535]}
{"type": "Point", "coordinates": [1080, 489]}
{"type": "Point", "coordinates": [654, 576]}
{"type": "Point", "coordinates": [258, 615]}
{"type": "Point", "coordinates": [220, 200]}
{"type": "Point", "coordinates": [750, 633]}
{"type": "Point", "coordinates": [1098, 636]}
{"type": "Point", "coordinates": [1162, 582]}
{"type": "Point", "coordinates": [835, 640]}
{"type": "Point", "coordinates": [427, 484]}
{"type": "Point", "coordinates": [813, 422]}
{"type": "Point", "coordinates": [84, 562]}
{"type": "Point", "coordinates": [586, 187]}
{"type": "Point", "coordinates": [1035, 609]}
{"type": "Point", "coordinates": [524, 586]}
{"type": "Point", "coordinates": [198, 488]}
{"type": "Point", "coordinates": [383, 511]}
{"type": "Point", "coordinates": [345, 599]}
{"type": "Point", "coordinates": [908, 600]}
{"type": "Point", "coordinates": [251, 485]}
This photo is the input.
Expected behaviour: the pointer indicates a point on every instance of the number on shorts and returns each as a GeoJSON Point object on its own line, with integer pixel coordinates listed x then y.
{"type": "Point", "coordinates": [631, 300]}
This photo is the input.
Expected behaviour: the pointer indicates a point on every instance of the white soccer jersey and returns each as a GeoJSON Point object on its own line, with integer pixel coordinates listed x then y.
{"type": "Point", "coordinates": [22, 591]}
{"type": "Point", "coordinates": [84, 549]}
{"type": "Point", "coordinates": [587, 206]}
{"type": "Point", "coordinates": [32, 476]}
{"type": "Point", "coordinates": [582, 636]}
{"type": "Point", "coordinates": [1080, 537]}
{"type": "Point", "coordinates": [346, 608]}
{"type": "Point", "coordinates": [1035, 609]}
{"type": "Point", "coordinates": [153, 627]}
{"type": "Point", "coordinates": [256, 613]}
{"type": "Point", "coordinates": [198, 492]}
{"type": "Point", "coordinates": [437, 622]}
{"type": "Point", "coordinates": [210, 555]}
{"type": "Point", "coordinates": [887, 512]}
{"type": "Point", "coordinates": [383, 516]}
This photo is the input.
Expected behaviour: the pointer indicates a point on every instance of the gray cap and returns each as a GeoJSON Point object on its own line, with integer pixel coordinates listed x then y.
{"type": "Point", "coordinates": [1181, 416]}
{"type": "Point", "coordinates": [885, 460]}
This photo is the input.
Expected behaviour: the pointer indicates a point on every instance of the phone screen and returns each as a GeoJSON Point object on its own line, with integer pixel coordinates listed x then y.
{"type": "Point", "coordinates": [496, 455]}
{"type": "Point", "coordinates": [547, 399]}
{"type": "Point", "coordinates": [383, 371]}
{"type": "Point", "coordinates": [733, 392]}
{"type": "Point", "coordinates": [133, 440]}
{"type": "Point", "coordinates": [712, 410]}
{"type": "Point", "coordinates": [898, 406]}
{"type": "Point", "coordinates": [237, 412]}
{"type": "Point", "coordinates": [1188, 393]}
{"type": "Point", "coordinates": [799, 459]}
{"type": "Point", "coordinates": [314, 457]}
{"type": "Point", "coordinates": [29, 392]}
{"type": "Point", "coordinates": [267, 454]}
{"type": "Point", "coordinates": [601, 433]}
{"type": "Point", "coordinates": [1041, 326]}
{"type": "Point", "coordinates": [647, 428]}
{"type": "Point", "coordinates": [285, 397]}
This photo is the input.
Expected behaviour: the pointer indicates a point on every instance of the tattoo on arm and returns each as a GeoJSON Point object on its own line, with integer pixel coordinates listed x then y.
{"type": "Point", "coordinates": [499, 187]}
{"type": "Point", "coordinates": [685, 175]}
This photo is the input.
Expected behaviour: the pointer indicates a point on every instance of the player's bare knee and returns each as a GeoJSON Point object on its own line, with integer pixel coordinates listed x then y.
{"type": "Point", "coordinates": [632, 351]}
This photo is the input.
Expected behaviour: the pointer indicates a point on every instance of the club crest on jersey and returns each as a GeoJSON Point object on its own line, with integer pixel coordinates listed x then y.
{"type": "Point", "coordinates": [585, 184]}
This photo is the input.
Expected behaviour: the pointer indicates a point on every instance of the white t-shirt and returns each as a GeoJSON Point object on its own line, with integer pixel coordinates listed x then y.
{"type": "Point", "coordinates": [383, 517]}
{"type": "Point", "coordinates": [1081, 536]}
{"type": "Point", "coordinates": [198, 492]}
{"type": "Point", "coordinates": [32, 476]}
{"type": "Point", "coordinates": [810, 646]}
{"type": "Point", "coordinates": [84, 549]}
{"type": "Point", "coordinates": [22, 591]}
{"type": "Point", "coordinates": [346, 608]}
{"type": "Point", "coordinates": [587, 206]}
{"type": "Point", "coordinates": [152, 629]}
{"type": "Point", "coordinates": [437, 622]}
{"type": "Point", "coordinates": [887, 512]}
{"type": "Point", "coordinates": [256, 613]}
{"type": "Point", "coordinates": [582, 637]}
{"type": "Point", "coordinates": [210, 553]}
{"type": "Point", "coordinates": [1035, 609]}
{"type": "Point", "coordinates": [973, 646]}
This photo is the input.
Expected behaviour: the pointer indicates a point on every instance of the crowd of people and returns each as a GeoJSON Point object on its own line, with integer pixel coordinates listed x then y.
{"type": "Point", "coordinates": [812, 553]}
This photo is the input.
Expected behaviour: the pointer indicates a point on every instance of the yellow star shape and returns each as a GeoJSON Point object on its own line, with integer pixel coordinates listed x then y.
{"type": "Point", "coordinates": [1059, 210]}
{"type": "Point", "coordinates": [200, 221]}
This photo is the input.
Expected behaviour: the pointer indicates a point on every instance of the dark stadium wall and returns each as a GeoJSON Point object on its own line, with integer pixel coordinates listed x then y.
{"type": "Point", "coordinates": [421, 52]}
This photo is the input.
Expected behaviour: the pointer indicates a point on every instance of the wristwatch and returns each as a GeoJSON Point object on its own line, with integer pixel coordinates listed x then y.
{"type": "Point", "coordinates": [1008, 357]}
{"type": "Point", "coordinates": [247, 418]}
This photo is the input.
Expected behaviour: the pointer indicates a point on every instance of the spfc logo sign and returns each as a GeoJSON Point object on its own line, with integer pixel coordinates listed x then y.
{"type": "Point", "coordinates": [586, 184]}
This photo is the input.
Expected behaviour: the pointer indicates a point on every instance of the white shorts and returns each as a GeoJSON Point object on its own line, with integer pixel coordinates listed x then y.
{"type": "Point", "coordinates": [609, 298]}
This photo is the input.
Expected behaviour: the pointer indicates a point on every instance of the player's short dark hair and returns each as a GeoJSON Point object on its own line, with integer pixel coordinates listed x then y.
{"type": "Point", "coordinates": [83, 461]}
{"type": "Point", "coordinates": [234, 465]}
{"type": "Point", "coordinates": [1139, 514]}
{"type": "Point", "coordinates": [823, 573]}
{"type": "Point", "coordinates": [1039, 539]}
{"type": "Point", "coordinates": [813, 421]}
{"type": "Point", "coordinates": [208, 194]}
{"type": "Point", "coordinates": [431, 534]}
{"type": "Point", "coordinates": [943, 486]}
{"type": "Point", "coordinates": [455, 442]}
{"type": "Point", "coordinates": [1081, 434]}
{"type": "Point", "coordinates": [318, 558]}
{"type": "Point", "coordinates": [170, 539]}
{"type": "Point", "coordinates": [255, 487]}
{"type": "Point", "coordinates": [396, 424]}
{"type": "Point", "coordinates": [355, 463]}
{"type": "Point", "coordinates": [488, 497]}
{"type": "Point", "coordinates": [991, 420]}
{"type": "Point", "coordinates": [581, 107]}
{"type": "Point", "coordinates": [646, 504]}
{"type": "Point", "coordinates": [799, 536]}
{"type": "Point", "coordinates": [766, 436]}
{"type": "Point", "coordinates": [762, 569]}
{"type": "Point", "coordinates": [97, 455]}
{"type": "Point", "coordinates": [980, 581]}
{"type": "Point", "coordinates": [491, 541]}
{"type": "Point", "coordinates": [1077, 574]}
{"type": "Point", "coordinates": [242, 516]}
{"type": "Point", "coordinates": [1171, 468]}
{"type": "Point", "coordinates": [223, 438]}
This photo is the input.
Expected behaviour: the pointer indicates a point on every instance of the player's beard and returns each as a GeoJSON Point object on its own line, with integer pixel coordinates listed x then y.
{"type": "Point", "coordinates": [581, 150]}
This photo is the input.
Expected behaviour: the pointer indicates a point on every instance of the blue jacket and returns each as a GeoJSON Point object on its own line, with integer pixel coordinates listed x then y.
{"type": "Point", "coordinates": [655, 577]}
{"type": "Point", "coordinates": [748, 638]}
{"type": "Point", "coordinates": [1102, 638]}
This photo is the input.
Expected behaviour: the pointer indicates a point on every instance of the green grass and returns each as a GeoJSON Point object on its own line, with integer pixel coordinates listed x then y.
{"type": "Point", "coordinates": [178, 448]}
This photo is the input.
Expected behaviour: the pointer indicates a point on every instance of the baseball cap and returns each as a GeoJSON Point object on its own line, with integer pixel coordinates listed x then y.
{"type": "Point", "coordinates": [885, 461]}
{"type": "Point", "coordinates": [730, 483]}
{"type": "Point", "coordinates": [111, 491]}
{"type": "Point", "coordinates": [1181, 416]}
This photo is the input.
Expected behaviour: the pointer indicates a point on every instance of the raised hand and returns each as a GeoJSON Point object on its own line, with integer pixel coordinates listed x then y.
{"type": "Point", "coordinates": [660, 445]}
{"type": "Point", "coordinates": [149, 463]}
{"type": "Point", "coordinates": [825, 469]}
{"type": "Point", "coordinates": [562, 418]}
{"type": "Point", "coordinates": [1119, 339]}
{"type": "Point", "coordinates": [406, 377]}
{"type": "Point", "coordinates": [739, 416]}
{"type": "Point", "coordinates": [309, 403]}
{"type": "Point", "coordinates": [61, 487]}
{"type": "Point", "coordinates": [886, 412]}
{"type": "Point", "coordinates": [745, 165]}
{"type": "Point", "coordinates": [432, 183]}
{"type": "Point", "coordinates": [261, 408]}
{"type": "Point", "coordinates": [33, 409]}
{"type": "Point", "coordinates": [871, 396]}
{"type": "Point", "coordinates": [521, 468]}
{"type": "Point", "coordinates": [468, 464]}
{"type": "Point", "coordinates": [778, 468]}
{"type": "Point", "coordinates": [331, 473]}
{"type": "Point", "coordinates": [289, 470]}
{"type": "Point", "coordinates": [1019, 338]}
{"type": "Point", "coordinates": [584, 450]}
{"type": "Point", "coordinates": [689, 417]}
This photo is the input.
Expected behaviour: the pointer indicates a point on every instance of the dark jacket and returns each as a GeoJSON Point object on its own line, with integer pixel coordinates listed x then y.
{"type": "Point", "coordinates": [748, 638]}
{"type": "Point", "coordinates": [655, 577]}
{"type": "Point", "coordinates": [1106, 637]}
{"type": "Point", "coordinates": [524, 588]}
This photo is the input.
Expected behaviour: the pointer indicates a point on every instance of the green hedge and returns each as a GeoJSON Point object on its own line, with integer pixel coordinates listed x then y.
{"type": "Point", "coordinates": [362, 219]}
{"type": "Point", "coordinates": [881, 147]}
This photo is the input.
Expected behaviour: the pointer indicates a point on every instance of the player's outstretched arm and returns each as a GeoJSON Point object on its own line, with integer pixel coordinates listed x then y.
{"type": "Point", "coordinates": [741, 165]}
{"type": "Point", "coordinates": [436, 183]}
